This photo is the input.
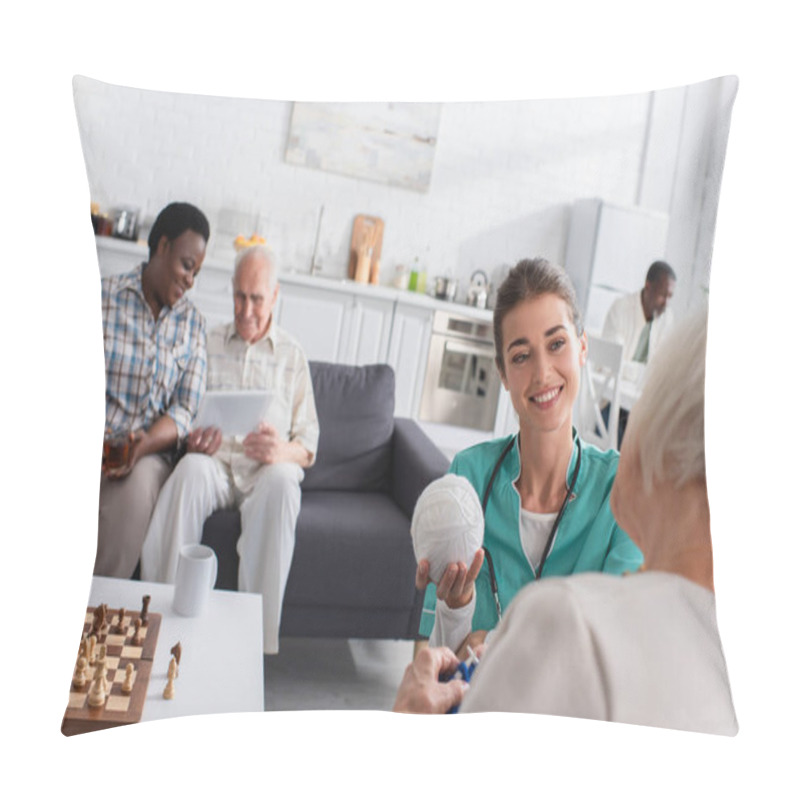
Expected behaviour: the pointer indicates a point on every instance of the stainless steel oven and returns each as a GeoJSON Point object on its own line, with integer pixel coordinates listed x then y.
{"type": "Point", "coordinates": [461, 381]}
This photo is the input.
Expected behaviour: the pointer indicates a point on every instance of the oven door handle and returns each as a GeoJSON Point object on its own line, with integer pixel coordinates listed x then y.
{"type": "Point", "coordinates": [468, 350]}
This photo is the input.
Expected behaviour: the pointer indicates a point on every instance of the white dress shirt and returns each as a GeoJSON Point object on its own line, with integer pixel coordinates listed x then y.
{"type": "Point", "coordinates": [624, 323]}
{"type": "Point", "coordinates": [275, 363]}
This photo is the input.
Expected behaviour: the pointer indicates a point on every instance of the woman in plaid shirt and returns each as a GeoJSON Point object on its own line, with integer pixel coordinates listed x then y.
{"type": "Point", "coordinates": [155, 350]}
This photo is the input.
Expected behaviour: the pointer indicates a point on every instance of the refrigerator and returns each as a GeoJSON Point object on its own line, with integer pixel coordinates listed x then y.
{"type": "Point", "coordinates": [609, 249]}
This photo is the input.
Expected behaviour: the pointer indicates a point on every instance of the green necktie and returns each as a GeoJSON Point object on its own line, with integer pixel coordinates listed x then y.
{"type": "Point", "coordinates": [640, 354]}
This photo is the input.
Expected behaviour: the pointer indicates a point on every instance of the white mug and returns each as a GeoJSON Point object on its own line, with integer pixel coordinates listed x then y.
{"type": "Point", "coordinates": [195, 578]}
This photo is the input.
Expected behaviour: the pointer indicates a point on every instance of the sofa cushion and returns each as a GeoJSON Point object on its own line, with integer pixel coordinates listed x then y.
{"type": "Point", "coordinates": [355, 407]}
{"type": "Point", "coordinates": [352, 551]}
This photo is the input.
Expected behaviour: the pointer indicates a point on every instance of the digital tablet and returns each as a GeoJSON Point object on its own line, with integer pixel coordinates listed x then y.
{"type": "Point", "coordinates": [234, 413]}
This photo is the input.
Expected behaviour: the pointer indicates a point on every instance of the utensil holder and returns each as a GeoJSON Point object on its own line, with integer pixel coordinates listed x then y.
{"type": "Point", "coordinates": [363, 268]}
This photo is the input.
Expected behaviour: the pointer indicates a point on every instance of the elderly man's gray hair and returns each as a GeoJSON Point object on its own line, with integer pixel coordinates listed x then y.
{"type": "Point", "coordinates": [667, 424]}
{"type": "Point", "coordinates": [260, 250]}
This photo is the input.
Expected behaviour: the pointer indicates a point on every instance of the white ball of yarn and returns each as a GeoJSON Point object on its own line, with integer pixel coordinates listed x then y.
{"type": "Point", "coordinates": [447, 524]}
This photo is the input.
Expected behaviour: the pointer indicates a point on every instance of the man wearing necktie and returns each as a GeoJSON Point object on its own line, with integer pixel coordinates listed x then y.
{"type": "Point", "coordinates": [638, 321]}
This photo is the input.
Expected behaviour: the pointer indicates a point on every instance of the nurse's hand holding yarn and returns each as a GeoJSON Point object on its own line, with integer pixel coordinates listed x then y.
{"type": "Point", "coordinates": [447, 531]}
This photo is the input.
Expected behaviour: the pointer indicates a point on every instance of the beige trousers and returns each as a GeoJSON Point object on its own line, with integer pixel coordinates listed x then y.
{"type": "Point", "coordinates": [126, 506]}
{"type": "Point", "coordinates": [199, 485]}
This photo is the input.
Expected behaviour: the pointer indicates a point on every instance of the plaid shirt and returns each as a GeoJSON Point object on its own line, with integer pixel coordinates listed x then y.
{"type": "Point", "coordinates": [153, 367]}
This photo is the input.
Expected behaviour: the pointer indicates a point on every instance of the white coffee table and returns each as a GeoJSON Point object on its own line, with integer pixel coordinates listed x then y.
{"type": "Point", "coordinates": [222, 658]}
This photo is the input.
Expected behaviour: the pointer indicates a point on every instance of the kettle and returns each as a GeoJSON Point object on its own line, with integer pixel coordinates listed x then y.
{"type": "Point", "coordinates": [478, 292]}
{"type": "Point", "coordinates": [445, 288]}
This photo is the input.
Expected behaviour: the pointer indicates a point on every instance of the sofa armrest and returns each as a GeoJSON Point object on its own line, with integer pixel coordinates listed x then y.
{"type": "Point", "coordinates": [416, 461]}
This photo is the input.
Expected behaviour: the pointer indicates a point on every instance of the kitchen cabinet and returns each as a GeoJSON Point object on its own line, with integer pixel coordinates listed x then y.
{"type": "Point", "coordinates": [212, 293]}
{"type": "Point", "coordinates": [408, 356]}
{"type": "Point", "coordinates": [371, 327]}
{"type": "Point", "coordinates": [336, 326]}
{"type": "Point", "coordinates": [316, 318]}
{"type": "Point", "coordinates": [116, 256]}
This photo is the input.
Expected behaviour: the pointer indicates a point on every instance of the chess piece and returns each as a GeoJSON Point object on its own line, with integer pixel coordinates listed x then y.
{"type": "Point", "coordinates": [98, 619]}
{"type": "Point", "coordinates": [137, 631]}
{"type": "Point", "coordinates": [90, 645]}
{"type": "Point", "coordinates": [127, 684]}
{"type": "Point", "coordinates": [97, 694]}
{"type": "Point", "coordinates": [83, 650]}
{"type": "Point", "coordinates": [145, 605]}
{"type": "Point", "coordinates": [121, 623]}
{"type": "Point", "coordinates": [79, 678]}
{"type": "Point", "coordinates": [176, 652]}
{"type": "Point", "coordinates": [102, 669]}
{"type": "Point", "coordinates": [101, 661]}
{"type": "Point", "coordinates": [172, 672]}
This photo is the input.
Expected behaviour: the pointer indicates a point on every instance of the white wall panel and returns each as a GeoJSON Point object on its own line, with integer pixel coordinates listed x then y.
{"type": "Point", "coordinates": [505, 175]}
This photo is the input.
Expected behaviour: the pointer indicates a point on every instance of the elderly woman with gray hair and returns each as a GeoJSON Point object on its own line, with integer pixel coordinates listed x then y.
{"type": "Point", "coordinates": [642, 648]}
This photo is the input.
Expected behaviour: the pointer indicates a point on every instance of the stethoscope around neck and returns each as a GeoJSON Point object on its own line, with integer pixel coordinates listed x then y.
{"type": "Point", "coordinates": [550, 539]}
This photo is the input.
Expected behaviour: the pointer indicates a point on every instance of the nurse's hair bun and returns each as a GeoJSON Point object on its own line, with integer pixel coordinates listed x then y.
{"type": "Point", "coordinates": [447, 524]}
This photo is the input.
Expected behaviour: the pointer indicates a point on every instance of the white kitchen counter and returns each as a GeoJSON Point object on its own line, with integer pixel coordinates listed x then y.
{"type": "Point", "coordinates": [417, 299]}
{"type": "Point", "coordinates": [121, 249]}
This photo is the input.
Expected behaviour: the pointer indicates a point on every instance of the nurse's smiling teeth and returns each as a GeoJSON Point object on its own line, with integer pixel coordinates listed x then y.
{"type": "Point", "coordinates": [546, 396]}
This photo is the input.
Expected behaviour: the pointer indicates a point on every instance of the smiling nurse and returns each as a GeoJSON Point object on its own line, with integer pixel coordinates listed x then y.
{"type": "Point", "coordinates": [545, 493]}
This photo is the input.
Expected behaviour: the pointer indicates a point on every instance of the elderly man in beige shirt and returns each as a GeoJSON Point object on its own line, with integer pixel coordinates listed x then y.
{"type": "Point", "coordinates": [259, 473]}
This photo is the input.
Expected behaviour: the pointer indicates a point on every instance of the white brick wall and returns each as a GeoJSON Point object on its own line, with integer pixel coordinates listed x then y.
{"type": "Point", "coordinates": [505, 174]}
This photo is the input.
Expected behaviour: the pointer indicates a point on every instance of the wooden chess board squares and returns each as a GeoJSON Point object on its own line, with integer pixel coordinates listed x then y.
{"type": "Point", "coordinates": [119, 708]}
{"type": "Point", "coordinates": [116, 700]}
{"type": "Point", "coordinates": [111, 638]}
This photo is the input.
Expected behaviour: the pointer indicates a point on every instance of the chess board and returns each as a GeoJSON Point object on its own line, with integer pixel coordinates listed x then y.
{"type": "Point", "coordinates": [121, 650]}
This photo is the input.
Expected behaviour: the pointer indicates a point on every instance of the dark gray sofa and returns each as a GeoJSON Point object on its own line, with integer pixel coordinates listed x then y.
{"type": "Point", "coordinates": [352, 573]}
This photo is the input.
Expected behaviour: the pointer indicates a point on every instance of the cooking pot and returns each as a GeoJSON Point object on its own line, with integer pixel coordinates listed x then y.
{"type": "Point", "coordinates": [125, 223]}
{"type": "Point", "coordinates": [478, 292]}
{"type": "Point", "coordinates": [445, 288]}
